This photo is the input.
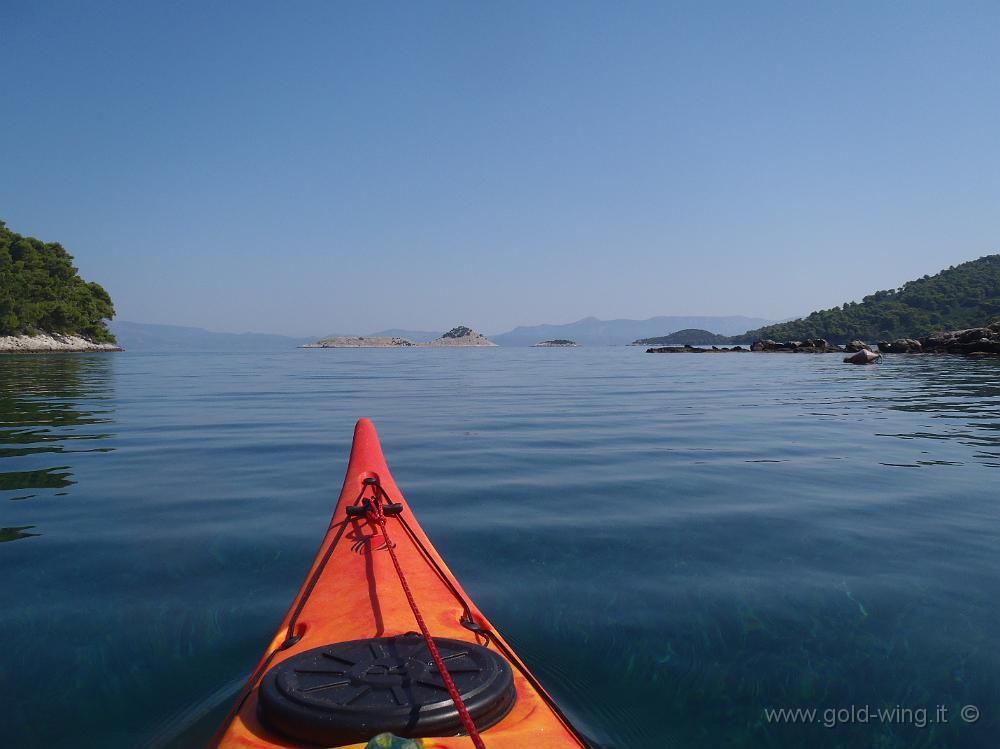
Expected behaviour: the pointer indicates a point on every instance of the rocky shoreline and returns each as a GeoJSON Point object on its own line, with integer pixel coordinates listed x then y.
{"type": "Point", "coordinates": [970, 341]}
{"type": "Point", "coordinates": [687, 349]}
{"type": "Point", "coordinates": [46, 343]}
{"type": "Point", "coordinates": [815, 346]}
{"type": "Point", "coordinates": [458, 336]}
{"type": "Point", "coordinates": [985, 340]}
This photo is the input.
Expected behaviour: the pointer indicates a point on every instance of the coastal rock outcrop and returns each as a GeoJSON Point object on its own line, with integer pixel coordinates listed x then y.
{"type": "Point", "coordinates": [900, 346]}
{"type": "Point", "coordinates": [985, 340]}
{"type": "Point", "coordinates": [813, 346]}
{"type": "Point", "coordinates": [855, 346]}
{"type": "Point", "coordinates": [695, 350]}
{"type": "Point", "coordinates": [50, 343]}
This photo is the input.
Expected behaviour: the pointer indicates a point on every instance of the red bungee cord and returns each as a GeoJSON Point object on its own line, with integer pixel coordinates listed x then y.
{"type": "Point", "coordinates": [378, 517]}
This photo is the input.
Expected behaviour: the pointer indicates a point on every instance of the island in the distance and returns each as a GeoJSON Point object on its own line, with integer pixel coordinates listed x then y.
{"type": "Point", "coordinates": [687, 337]}
{"type": "Point", "coordinates": [458, 336]}
{"type": "Point", "coordinates": [556, 343]}
{"type": "Point", "coordinates": [44, 304]}
{"type": "Point", "coordinates": [359, 341]}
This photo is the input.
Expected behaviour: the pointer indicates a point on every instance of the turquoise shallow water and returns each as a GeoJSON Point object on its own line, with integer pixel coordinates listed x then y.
{"type": "Point", "coordinates": [673, 543]}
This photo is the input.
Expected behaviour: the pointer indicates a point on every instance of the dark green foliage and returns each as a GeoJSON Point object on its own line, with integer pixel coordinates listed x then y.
{"type": "Point", "coordinates": [963, 296]}
{"type": "Point", "coordinates": [460, 332]}
{"type": "Point", "coordinates": [41, 291]}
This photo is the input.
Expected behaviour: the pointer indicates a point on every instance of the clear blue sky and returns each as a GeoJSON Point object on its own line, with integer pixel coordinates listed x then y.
{"type": "Point", "coordinates": [316, 167]}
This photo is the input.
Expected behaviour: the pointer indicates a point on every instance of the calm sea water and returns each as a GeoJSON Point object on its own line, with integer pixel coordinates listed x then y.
{"type": "Point", "coordinates": [673, 543]}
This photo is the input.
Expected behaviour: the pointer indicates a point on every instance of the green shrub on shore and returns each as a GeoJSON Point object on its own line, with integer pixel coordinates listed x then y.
{"type": "Point", "coordinates": [42, 292]}
{"type": "Point", "coordinates": [963, 296]}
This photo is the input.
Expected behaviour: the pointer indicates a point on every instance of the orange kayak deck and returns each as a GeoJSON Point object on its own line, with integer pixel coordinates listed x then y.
{"type": "Point", "coordinates": [353, 592]}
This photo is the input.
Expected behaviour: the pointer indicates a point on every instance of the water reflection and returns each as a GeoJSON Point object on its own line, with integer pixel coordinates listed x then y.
{"type": "Point", "coordinates": [49, 404]}
{"type": "Point", "coordinates": [13, 534]}
{"type": "Point", "coordinates": [49, 478]}
{"type": "Point", "coordinates": [962, 396]}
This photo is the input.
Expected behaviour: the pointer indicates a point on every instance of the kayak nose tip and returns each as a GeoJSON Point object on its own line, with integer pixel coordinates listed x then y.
{"type": "Point", "coordinates": [364, 431]}
{"type": "Point", "coordinates": [366, 453]}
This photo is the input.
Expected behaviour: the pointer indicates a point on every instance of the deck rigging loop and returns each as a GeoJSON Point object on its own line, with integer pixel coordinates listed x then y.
{"type": "Point", "coordinates": [375, 511]}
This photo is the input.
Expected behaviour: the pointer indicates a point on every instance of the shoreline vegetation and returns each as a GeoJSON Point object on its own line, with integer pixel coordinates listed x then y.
{"type": "Point", "coordinates": [457, 336]}
{"type": "Point", "coordinates": [962, 297]}
{"type": "Point", "coordinates": [556, 343]}
{"type": "Point", "coordinates": [45, 305]}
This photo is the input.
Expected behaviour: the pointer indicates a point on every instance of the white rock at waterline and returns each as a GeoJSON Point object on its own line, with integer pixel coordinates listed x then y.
{"type": "Point", "coordinates": [14, 344]}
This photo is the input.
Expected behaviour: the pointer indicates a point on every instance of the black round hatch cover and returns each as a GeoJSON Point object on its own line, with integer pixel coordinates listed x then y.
{"type": "Point", "coordinates": [350, 691]}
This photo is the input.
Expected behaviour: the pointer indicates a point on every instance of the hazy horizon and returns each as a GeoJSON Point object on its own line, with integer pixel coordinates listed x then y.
{"type": "Point", "coordinates": [295, 169]}
{"type": "Point", "coordinates": [396, 328]}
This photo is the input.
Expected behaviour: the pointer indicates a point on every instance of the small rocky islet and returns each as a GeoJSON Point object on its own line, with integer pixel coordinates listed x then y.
{"type": "Point", "coordinates": [556, 343]}
{"type": "Point", "coordinates": [460, 335]}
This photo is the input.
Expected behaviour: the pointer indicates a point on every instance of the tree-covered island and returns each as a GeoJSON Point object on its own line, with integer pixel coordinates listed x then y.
{"type": "Point", "coordinates": [692, 336]}
{"type": "Point", "coordinates": [963, 296]}
{"type": "Point", "coordinates": [44, 303]}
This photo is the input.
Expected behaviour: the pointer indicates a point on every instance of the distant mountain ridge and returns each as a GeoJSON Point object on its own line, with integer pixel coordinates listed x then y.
{"type": "Point", "coordinates": [135, 336]}
{"type": "Point", "coordinates": [591, 331]}
{"type": "Point", "coordinates": [962, 296]}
